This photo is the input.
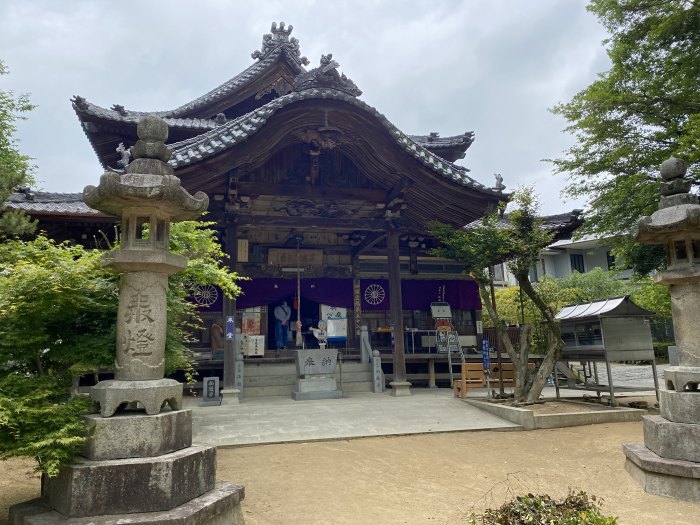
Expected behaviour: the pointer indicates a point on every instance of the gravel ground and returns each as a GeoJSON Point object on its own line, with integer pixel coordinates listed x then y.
{"type": "Point", "coordinates": [433, 478]}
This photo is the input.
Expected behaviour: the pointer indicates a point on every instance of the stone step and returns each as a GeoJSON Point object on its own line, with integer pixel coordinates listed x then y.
{"type": "Point", "coordinates": [120, 486]}
{"type": "Point", "coordinates": [273, 369]}
{"type": "Point", "coordinates": [291, 379]}
{"type": "Point", "coordinates": [286, 391]}
{"type": "Point", "coordinates": [265, 379]}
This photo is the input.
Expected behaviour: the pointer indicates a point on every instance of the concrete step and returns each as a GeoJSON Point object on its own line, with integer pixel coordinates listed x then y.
{"type": "Point", "coordinates": [279, 379]}
{"type": "Point", "coordinates": [286, 390]}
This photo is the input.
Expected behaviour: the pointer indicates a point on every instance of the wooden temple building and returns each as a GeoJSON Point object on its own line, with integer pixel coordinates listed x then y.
{"type": "Point", "coordinates": [310, 188]}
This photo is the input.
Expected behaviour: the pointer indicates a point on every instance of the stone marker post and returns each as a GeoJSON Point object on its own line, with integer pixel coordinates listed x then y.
{"type": "Point", "coordinates": [669, 464]}
{"type": "Point", "coordinates": [140, 467]}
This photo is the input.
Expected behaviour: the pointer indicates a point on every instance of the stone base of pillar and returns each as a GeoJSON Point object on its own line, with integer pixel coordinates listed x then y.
{"type": "Point", "coordinates": [680, 407]}
{"type": "Point", "coordinates": [219, 506]}
{"type": "Point", "coordinates": [671, 478]}
{"type": "Point", "coordinates": [231, 396]}
{"type": "Point", "coordinates": [151, 394]}
{"type": "Point", "coordinates": [400, 388]}
{"type": "Point", "coordinates": [680, 378]}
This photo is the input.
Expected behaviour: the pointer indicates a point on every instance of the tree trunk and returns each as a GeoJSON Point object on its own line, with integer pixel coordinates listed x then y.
{"type": "Point", "coordinates": [516, 356]}
{"type": "Point", "coordinates": [555, 342]}
{"type": "Point", "coordinates": [528, 386]}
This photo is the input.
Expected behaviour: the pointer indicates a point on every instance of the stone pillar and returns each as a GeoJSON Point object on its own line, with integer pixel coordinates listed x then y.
{"type": "Point", "coordinates": [399, 386]}
{"type": "Point", "coordinates": [377, 374]}
{"type": "Point", "coordinates": [141, 327]}
{"type": "Point", "coordinates": [668, 463]}
{"type": "Point", "coordinates": [365, 345]}
{"type": "Point", "coordinates": [230, 311]}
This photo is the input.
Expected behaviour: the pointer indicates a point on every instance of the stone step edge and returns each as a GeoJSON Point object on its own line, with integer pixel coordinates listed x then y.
{"type": "Point", "coordinates": [647, 460]}
{"type": "Point", "coordinates": [224, 496]}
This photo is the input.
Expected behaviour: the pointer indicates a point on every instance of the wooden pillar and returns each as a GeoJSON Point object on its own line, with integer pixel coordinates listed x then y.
{"type": "Point", "coordinates": [231, 238]}
{"type": "Point", "coordinates": [399, 385]}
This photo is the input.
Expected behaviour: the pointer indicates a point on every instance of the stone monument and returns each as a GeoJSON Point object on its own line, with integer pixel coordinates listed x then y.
{"type": "Point", "coordinates": [140, 467]}
{"type": "Point", "coordinates": [316, 372]}
{"type": "Point", "coordinates": [668, 464]}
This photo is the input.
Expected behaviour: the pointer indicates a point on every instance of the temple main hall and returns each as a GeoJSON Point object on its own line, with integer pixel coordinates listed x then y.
{"type": "Point", "coordinates": [317, 198]}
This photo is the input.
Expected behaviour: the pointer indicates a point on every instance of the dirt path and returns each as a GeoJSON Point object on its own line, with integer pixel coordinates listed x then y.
{"type": "Point", "coordinates": [434, 479]}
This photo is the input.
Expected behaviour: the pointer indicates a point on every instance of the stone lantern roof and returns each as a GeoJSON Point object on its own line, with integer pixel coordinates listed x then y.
{"type": "Point", "coordinates": [148, 179]}
{"type": "Point", "coordinates": [679, 210]}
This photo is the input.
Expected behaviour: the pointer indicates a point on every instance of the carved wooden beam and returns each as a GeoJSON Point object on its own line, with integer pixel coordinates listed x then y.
{"type": "Point", "coordinates": [254, 189]}
{"type": "Point", "coordinates": [368, 242]}
{"type": "Point", "coordinates": [306, 223]}
{"type": "Point", "coordinates": [399, 189]}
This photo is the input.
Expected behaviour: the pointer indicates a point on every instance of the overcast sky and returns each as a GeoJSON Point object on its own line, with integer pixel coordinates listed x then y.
{"type": "Point", "coordinates": [489, 66]}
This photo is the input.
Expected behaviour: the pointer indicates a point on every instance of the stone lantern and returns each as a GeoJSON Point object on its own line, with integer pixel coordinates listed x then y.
{"type": "Point", "coordinates": [147, 198]}
{"type": "Point", "coordinates": [140, 468]}
{"type": "Point", "coordinates": [668, 463]}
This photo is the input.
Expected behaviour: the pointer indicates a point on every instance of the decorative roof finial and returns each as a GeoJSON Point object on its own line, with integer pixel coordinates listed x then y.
{"type": "Point", "coordinates": [499, 182]}
{"type": "Point", "coordinates": [326, 76]}
{"type": "Point", "coordinates": [125, 154]}
{"type": "Point", "coordinates": [279, 37]}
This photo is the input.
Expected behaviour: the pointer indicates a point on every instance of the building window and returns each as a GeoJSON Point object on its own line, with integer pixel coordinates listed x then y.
{"type": "Point", "coordinates": [577, 263]}
{"type": "Point", "coordinates": [611, 260]}
{"type": "Point", "coordinates": [498, 273]}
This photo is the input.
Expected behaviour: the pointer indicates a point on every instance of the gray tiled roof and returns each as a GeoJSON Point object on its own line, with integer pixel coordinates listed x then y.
{"type": "Point", "coordinates": [552, 223]}
{"type": "Point", "coordinates": [208, 144]}
{"type": "Point", "coordinates": [44, 202]}
{"type": "Point", "coordinates": [173, 117]}
{"type": "Point", "coordinates": [135, 116]}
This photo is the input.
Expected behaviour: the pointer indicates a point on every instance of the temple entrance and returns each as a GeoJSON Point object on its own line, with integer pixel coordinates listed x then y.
{"type": "Point", "coordinates": [310, 315]}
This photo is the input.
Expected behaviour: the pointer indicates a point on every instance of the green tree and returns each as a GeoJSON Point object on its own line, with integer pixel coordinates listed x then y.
{"type": "Point", "coordinates": [15, 168]}
{"type": "Point", "coordinates": [57, 320]}
{"type": "Point", "coordinates": [519, 240]}
{"type": "Point", "coordinates": [645, 108]}
{"type": "Point", "coordinates": [557, 293]}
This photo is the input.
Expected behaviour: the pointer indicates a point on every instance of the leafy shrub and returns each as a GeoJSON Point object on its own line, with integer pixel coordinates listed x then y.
{"type": "Point", "coordinates": [575, 509]}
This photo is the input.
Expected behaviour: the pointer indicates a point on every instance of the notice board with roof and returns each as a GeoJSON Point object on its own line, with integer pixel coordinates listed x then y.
{"type": "Point", "coordinates": [614, 329]}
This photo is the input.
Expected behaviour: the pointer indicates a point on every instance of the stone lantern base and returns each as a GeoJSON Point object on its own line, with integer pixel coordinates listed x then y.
{"type": "Point", "coordinates": [668, 463]}
{"type": "Point", "coordinates": [152, 394]}
{"type": "Point", "coordinates": [219, 506]}
{"type": "Point", "coordinates": [137, 469]}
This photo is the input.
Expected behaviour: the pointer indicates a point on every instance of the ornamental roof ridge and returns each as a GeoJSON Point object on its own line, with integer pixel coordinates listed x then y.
{"type": "Point", "coordinates": [118, 112]}
{"type": "Point", "coordinates": [433, 139]}
{"type": "Point", "coordinates": [278, 38]}
{"type": "Point", "coordinates": [116, 115]}
{"type": "Point", "coordinates": [224, 137]}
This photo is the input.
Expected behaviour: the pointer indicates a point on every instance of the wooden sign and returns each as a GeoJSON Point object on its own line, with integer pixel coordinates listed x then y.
{"type": "Point", "coordinates": [288, 257]}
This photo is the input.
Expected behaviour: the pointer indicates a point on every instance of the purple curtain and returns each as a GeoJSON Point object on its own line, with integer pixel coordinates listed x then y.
{"type": "Point", "coordinates": [416, 294]}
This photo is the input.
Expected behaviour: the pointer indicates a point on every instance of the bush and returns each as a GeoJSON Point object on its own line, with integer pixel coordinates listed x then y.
{"type": "Point", "coordinates": [575, 509]}
{"type": "Point", "coordinates": [661, 351]}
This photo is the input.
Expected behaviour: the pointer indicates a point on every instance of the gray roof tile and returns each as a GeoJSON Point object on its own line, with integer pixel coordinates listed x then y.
{"type": "Point", "coordinates": [45, 202]}
{"type": "Point", "coordinates": [184, 154]}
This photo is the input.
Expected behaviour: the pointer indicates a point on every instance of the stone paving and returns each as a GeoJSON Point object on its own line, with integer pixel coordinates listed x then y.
{"type": "Point", "coordinates": [279, 419]}
{"type": "Point", "coordinates": [634, 375]}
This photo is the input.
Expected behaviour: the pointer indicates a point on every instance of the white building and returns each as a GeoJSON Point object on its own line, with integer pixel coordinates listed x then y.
{"type": "Point", "coordinates": [564, 257]}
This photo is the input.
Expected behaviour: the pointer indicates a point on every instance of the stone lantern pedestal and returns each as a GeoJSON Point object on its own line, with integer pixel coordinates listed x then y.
{"type": "Point", "coordinates": [668, 463]}
{"type": "Point", "coordinates": [139, 466]}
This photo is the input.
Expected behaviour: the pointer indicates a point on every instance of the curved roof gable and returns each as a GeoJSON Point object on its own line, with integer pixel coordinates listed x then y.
{"type": "Point", "coordinates": [211, 143]}
{"type": "Point", "coordinates": [275, 45]}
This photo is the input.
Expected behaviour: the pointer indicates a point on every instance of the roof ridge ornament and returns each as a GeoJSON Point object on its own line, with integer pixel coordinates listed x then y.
{"type": "Point", "coordinates": [499, 182]}
{"type": "Point", "coordinates": [326, 76]}
{"type": "Point", "coordinates": [279, 37]}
